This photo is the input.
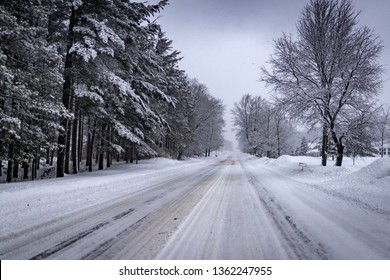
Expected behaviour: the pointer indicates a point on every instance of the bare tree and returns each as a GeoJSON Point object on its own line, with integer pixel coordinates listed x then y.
{"type": "Point", "coordinates": [208, 120]}
{"type": "Point", "coordinates": [330, 69]}
{"type": "Point", "coordinates": [261, 128]}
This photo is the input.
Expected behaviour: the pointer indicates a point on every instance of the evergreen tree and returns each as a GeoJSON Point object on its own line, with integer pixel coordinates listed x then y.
{"type": "Point", "coordinates": [30, 79]}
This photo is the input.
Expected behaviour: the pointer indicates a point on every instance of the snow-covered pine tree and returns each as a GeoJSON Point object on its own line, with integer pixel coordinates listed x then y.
{"type": "Point", "coordinates": [177, 137]}
{"type": "Point", "coordinates": [30, 79]}
{"type": "Point", "coordinates": [109, 46]}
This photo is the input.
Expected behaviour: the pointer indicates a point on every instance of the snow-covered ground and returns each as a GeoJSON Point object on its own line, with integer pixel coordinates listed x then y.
{"type": "Point", "coordinates": [343, 213]}
{"type": "Point", "coordinates": [233, 206]}
{"type": "Point", "coordinates": [23, 203]}
{"type": "Point", "coordinates": [365, 180]}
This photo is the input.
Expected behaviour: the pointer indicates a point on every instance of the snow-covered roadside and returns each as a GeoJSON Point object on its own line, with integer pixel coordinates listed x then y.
{"type": "Point", "coordinates": [367, 181]}
{"type": "Point", "coordinates": [23, 204]}
{"type": "Point", "coordinates": [334, 217]}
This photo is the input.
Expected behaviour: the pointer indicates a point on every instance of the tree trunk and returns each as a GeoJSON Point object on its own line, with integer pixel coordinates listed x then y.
{"type": "Point", "coordinates": [52, 158]}
{"type": "Point", "coordinates": [48, 156]}
{"type": "Point", "coordinates": [38, 157]}
{"type": "Point", "coordinates": [87, 162]}
{"type": "Point", "coordinates": [97, 153]}
{"type": "Point", "coordinates": [25, 170]}
{"type": "Point", "coordinates": [90, 152]}
{"type": "Point", "coordinates": [127, 154]}
{"type": "Point", "coordinates": [108, 162]}
{"type": "Point", "coordinates": [75, 163]}
{"type": "Point", "coordinates": [101, 159]}
{"type": "Point", "coordinates": [339, 148]}
{"type": "Point", "coordinates": [15, 172]}
{"type": "Point", "coordinates": [180, 153]}
{"type": "Point", "coordinates": [32, 170]}
{"type": "Point", "coordinates": [66, 93]}
{"type": "Point", "coordinates": [10, 163]}
{"type": "Point", "coordinates": [68, 141]}
{"type": "Point", "coordinates": [80, 142]}
{"type": "Point", "coordinates": [101, 149]}
{"type": "Point", "coordinates": [382, 150]}
{"type": "Point", "coordinates": [109, 140]}
{"type": "Point", "coordinates": [324, 148]}
{"type": "Point", "coordinates": [340, 153]}
{"type": "Point", "coordinates": [278, 137]}
{"type": "Point", "coordinates": [132, 153]}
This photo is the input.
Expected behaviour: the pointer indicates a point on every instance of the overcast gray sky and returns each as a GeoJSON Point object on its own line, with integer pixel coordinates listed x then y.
{"type": "Point", "coordinates": [225, 42]}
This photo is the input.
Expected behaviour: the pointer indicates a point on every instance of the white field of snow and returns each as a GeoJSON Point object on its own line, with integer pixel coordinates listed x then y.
{"type": "Point", "coordinates": [324, 212]}
{"type": "Point", "coordinates": [22, 204]}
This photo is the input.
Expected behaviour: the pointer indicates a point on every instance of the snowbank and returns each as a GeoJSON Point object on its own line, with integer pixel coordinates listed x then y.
{"type": "Point", "coordinates": [366, 181]}
{"type": "Point", "coordinates": [313, 171]}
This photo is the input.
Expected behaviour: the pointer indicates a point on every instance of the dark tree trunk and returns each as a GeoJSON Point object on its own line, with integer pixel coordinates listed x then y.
{"type": "Point", "coordinates": [34, 168]}
{"type": "Point", "coordinates": [66, 93]}
{"type": "Point", "coordinates": [80, 142]}
{"type": "Point", "coordinates": [340, 154]}
{"type": "Point", "coordinates": [180, 153]}
{"type": "Point", "coordinates": [324, 148]}
{"type": "Point", "coordinates": [38, 157]}
{"type": "Point", "coordinates": [10, 162]}
{"type": "Point", "coordinates": [15, 172]}
{"type": "Point", "coordinates": [61, 150]}
{"type": "Point", "coordinates": [97, 152]}
{"type": "Point", "coordinates": [101, 159]}
{"type": "Point", "coordinates": [25, 170]}
{"type": "Point", "coordinates": [52, 158]}
{"type": "Point", "coordinates": [108, 163]}
{"type": "Point", "coordinates": [132, 153]}
{"type": "Point", "coordinates": [75, 163]}
{"type": "Point", "coordinates": [101, 150]}
{"type": "Point", "coordinates": [90, 152]}
{"type": "Point", "coordinates": [87, 162]}
{"type": "Point", "coordinates": [339, 148]}
{"type": "Point", "coordinates": [68, 142]}
{"type": "Point", "coordinates": [382, 150]}
{"type": "Point", "coordinates": [127, 151]}
{"type": "Point", "coordinates": [278, 138]}
{"type": "Point", "coordinates": [48, 156]}
{"type": "Point", "coordinates": [167, 143]}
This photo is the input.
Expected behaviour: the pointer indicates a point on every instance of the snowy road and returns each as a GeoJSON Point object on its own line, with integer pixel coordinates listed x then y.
{"type": "Point", "coordinates": [221, 209]}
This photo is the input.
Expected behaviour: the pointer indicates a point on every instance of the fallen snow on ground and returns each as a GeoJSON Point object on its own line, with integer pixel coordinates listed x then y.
{"type": "Point", "coordinates": [23, 204]}
{"type": "Point", "coordinates": [367, 180]}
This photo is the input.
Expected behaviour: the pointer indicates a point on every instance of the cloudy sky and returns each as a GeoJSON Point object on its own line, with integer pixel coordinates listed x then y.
{"type": "Point", "coordinates": [224, 42]}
